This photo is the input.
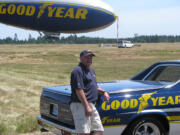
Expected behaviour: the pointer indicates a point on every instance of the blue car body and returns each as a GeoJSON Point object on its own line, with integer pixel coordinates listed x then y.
{"type": "Point", "coordinates": [142, 96]}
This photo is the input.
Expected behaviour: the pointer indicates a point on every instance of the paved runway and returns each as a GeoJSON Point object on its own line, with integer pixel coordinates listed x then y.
{"type": "Point", "coordinates": [174, 130]}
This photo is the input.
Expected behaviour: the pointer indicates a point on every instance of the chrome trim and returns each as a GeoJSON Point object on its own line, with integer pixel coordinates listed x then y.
{"type": "Point", "coordinates": [49, 125]}
{"type": "Point", "coordinates": [142, 129]}
{"type": "Point", "coordinates": [171, 85]}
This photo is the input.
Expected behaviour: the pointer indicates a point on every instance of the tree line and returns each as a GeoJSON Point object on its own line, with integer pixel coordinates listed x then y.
{"type": "Point", "coordinates": [74, 39]}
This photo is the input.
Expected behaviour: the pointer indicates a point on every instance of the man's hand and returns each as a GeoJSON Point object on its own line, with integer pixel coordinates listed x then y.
{"type": "Point", "coordinates": [88, 111]}
{"type": "Point", "coordinates": [106, 96]}
{"type": "Point", "coordinates": [104, 93]}
{"type": "Point", "coordinates": [81, 95]}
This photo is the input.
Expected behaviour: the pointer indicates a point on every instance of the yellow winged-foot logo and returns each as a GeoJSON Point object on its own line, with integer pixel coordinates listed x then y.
{"type": "Point", "coordinates": [144, 101]}
{"type": "Point", "coordinates": [42, 9]}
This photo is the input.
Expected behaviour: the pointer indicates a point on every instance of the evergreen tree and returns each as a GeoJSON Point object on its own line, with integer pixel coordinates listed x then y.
{"type": "Point", "coordinates": [15, 37]}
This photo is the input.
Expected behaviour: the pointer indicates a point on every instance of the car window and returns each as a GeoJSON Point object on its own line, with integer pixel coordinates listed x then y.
{"type": "Point", "coordinates": [165, 73]}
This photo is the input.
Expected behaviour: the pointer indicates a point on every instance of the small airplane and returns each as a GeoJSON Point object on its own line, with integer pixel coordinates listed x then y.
{"type": "Point", "coordinates": [52, 17]}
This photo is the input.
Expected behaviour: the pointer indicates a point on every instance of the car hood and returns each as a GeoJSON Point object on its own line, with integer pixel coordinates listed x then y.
{"type": "Point", "coordinates": [114, 86]}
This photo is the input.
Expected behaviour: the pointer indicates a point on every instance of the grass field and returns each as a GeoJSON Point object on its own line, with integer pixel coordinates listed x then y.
{"type": "Point", "coordinates": [25, 69]}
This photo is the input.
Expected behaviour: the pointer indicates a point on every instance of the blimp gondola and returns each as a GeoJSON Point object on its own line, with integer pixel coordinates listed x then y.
{"type": "Point", "coordinates": [57, 16]}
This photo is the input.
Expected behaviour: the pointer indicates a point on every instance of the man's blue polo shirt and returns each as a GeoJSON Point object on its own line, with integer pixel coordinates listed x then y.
{"type": "Point", "coordinates": [85, 79]}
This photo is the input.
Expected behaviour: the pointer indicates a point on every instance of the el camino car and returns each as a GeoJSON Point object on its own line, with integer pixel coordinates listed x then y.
{"type": "Point", "coordinates": [146, 104]}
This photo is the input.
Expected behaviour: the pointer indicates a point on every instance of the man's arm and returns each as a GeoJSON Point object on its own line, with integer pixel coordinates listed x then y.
{"type": "Point", "coordinates": [104, 93]}
{"type": "Point", "coordinates": [81, 96]}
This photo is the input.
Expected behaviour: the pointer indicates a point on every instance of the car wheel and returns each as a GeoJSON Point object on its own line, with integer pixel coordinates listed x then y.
{"type": "Point", "coordinates": [146, 126]}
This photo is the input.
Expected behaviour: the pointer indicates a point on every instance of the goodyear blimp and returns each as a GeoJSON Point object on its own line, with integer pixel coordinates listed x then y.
{"type": "Point", "coordinates": [57, 16]}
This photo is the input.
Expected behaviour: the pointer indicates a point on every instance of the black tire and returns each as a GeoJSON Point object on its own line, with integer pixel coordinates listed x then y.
{"type": "Point", "coordinates": [146, 126]}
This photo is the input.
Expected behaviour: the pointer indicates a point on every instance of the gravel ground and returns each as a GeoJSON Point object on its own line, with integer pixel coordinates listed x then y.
{"type": "Point", "coordinates": [39, 133]}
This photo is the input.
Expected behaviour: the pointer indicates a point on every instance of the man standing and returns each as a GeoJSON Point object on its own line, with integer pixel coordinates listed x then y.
{"type": "Point", "coordinates": [84, 96]}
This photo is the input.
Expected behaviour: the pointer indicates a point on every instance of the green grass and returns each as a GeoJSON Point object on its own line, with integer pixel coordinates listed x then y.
{"type": "Point", "coordinates": [27, 124]}
{"type": "Point", "coordinates": [25, 69]}
{"type": "Point", "coordinates": [3, 128]}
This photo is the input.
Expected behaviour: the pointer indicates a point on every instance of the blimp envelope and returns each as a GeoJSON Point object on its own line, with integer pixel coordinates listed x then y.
{"type": "Point", "coordinates": [59, 16]}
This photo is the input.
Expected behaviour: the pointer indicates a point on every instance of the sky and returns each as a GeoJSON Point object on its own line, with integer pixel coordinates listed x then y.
{"type": "Point", "coordinates": [142, 17]}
